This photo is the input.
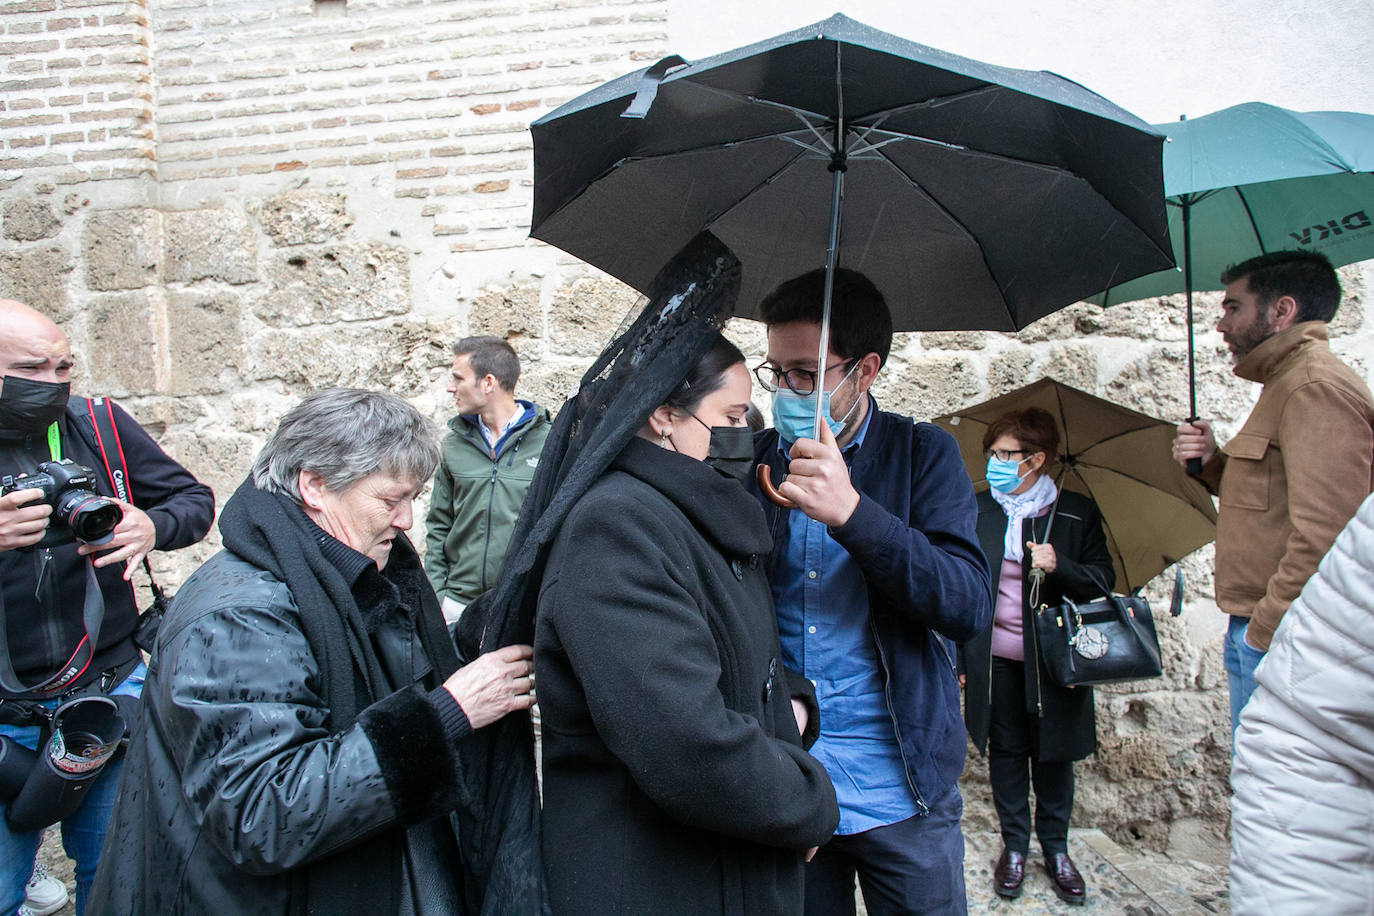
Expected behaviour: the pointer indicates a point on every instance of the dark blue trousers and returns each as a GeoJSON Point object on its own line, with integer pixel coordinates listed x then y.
{"type": "Point", "coordinates": [912, 866]}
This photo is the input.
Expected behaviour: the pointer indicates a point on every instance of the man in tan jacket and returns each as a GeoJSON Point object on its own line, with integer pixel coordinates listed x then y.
{"type": "Point", "coordinates": [1294, 475]}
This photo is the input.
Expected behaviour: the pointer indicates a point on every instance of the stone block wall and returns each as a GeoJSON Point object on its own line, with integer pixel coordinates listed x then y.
{"type": "Point", "coordinates": [229, 204]}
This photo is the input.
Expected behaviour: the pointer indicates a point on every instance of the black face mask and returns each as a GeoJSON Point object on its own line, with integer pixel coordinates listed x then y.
{"type": "Point", "coordinates": [731, 451]}
{"type": "Point", "coordinates": [30, 406]}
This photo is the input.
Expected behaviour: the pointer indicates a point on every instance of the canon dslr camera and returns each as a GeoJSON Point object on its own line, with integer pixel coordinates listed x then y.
{"type": "Point", "coordinates": [78, 512]}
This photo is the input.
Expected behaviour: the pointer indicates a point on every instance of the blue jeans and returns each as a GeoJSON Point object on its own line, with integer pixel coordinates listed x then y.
{"type": "Point", "coordinates": [82, 833]}
{"type": "Point", "coordinates": [1240, 661]}
{"type": "Point", "coordinates": [912, 866]}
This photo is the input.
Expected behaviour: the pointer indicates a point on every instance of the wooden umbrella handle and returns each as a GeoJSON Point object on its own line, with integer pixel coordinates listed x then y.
{"type": "Point", "coordinates": [764, 475]}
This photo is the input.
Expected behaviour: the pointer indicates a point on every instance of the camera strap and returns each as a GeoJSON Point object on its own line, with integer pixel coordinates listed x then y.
{"type": "Point", "coordinates": [101, 411]}
{"type": "Point", "coordinates": [92, 615]}
{"type": "Point", "coordinates": [93, 605]}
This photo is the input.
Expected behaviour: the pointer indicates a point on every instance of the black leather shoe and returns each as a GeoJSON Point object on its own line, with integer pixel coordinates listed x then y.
{"type": "Point", "coordinates": [1009, 873]}
{"type": "Point", "coordinates": [1067, 882]}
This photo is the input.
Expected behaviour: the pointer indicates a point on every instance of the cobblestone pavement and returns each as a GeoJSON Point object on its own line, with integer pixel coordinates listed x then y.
{"type": "Point", "coordinates": [1119, 881]}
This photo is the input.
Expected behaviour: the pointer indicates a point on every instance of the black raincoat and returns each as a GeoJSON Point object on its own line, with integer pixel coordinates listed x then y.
{"type": "Point", "coordinates": [288, 758]}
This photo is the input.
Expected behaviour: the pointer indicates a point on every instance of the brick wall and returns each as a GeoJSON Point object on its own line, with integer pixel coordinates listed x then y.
{"type": "Point", "coordinates": [76, 96]}
{"type": "Point", "coordinates": [229, 203]}
{"type": "Point", "coordinates": [431, 100]}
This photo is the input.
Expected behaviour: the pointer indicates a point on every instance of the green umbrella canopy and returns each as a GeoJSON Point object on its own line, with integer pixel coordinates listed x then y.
{"type": "Point", "coordinates": [1154, 513]}
{"type": "Point", "coordinates": [1255, 178]}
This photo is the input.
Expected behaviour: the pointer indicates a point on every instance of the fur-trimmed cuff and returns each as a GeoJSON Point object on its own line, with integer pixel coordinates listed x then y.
{"type": "Point", "coordinates": [419, 763]}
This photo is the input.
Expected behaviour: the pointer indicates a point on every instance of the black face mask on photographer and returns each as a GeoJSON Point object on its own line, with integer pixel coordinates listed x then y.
{"type": "Point", "coordinates": [731, 451]}
{"type": "Point", "coordinates": [31, 406]}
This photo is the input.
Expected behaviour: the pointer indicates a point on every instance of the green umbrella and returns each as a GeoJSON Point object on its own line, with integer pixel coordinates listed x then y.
{"type": "Point", "coordinates": [1255, 178]}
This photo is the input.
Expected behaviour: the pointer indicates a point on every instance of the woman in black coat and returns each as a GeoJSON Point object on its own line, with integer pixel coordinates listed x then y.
{"type": "Point", "coordinates": [1015, 714]}
{"type": "Point", "coordinates": [675, 779]}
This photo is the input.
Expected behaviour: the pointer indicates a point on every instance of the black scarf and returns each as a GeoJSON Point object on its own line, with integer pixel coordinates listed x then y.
{"type": "Point", "coordinates": [272, 532]}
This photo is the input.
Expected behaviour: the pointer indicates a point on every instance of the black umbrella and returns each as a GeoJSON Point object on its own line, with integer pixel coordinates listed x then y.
{"type": "Point", "coordinates": [974, 196]}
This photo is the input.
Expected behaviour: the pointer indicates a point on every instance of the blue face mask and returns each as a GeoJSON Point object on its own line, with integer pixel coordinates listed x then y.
{"type": "Point", "coordinates": [1002, 475]}
{"type": "Point", "coordinates": [794, 415]}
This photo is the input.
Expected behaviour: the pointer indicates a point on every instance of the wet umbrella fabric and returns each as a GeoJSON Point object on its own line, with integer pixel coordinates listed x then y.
{"type": "Point", "coordinates": [1256, 178]}
{"type": "Point", "coordinates": [1154, 513]}
{"type": "Point", "coordinates": [974, 196]}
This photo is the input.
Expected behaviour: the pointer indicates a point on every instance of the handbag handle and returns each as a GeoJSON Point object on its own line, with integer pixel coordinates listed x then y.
{"type": "Point", "coordinates": [1071, 632]}
{"type": "Point", "coordinates": [1097, 580]}
{"type": "Point", "coordinates": [1124, 613]}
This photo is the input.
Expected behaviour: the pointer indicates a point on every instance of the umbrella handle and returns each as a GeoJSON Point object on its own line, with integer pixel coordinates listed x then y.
{"type": "Point", "coordinates": [1194, 465]}
{"type": "Point", "coordinates": [764, 475]}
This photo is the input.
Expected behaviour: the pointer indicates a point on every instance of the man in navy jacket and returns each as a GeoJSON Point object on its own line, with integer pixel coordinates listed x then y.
{"type": "Point", "coordinates": [876, 574]}
{"type": "Point", "coordinates": [44, 587]}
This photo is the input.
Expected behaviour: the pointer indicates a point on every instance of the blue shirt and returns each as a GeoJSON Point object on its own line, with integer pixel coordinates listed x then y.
{"type": "Point", "coordinates": [823, 623]}
{"type": "Point", "coordinates": [494, 441]}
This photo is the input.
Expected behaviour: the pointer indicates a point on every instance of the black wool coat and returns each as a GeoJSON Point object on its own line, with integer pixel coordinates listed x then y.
{"type": "Point", "coordinates": [675, 781]}
{"type": "Point", "coordinates": [1066, 728]}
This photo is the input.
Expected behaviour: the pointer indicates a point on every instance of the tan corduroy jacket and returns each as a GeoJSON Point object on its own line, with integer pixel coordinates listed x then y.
{"type": "Point", "coordinates": [1293, 476]}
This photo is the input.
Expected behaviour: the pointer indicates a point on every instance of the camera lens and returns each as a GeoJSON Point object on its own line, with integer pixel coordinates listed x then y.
{"type": "Point", "coordinates": [91, 517]}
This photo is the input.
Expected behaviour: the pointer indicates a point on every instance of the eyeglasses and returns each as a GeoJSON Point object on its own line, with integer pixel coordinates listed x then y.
{"type": "Point", "coordinates": [1004, 454]}
{"type": "Point", "coordinates": [798, 381]}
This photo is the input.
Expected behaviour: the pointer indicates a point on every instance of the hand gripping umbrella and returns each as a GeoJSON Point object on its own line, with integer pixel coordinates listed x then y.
{"type": "Point", "coordinates": [1256, 178]}
{"type": "Point", "coordinates": [973, 196]}
{"type": "Point", "coordinates": [1154, 513]}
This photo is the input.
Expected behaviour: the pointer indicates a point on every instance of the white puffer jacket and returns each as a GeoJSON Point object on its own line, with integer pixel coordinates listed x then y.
{"type": "Point", "coordinates": [1302, 817]}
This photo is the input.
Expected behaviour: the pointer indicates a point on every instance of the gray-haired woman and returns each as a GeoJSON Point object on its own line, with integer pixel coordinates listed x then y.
{"type": "Point", "coordinates": [297, 744]}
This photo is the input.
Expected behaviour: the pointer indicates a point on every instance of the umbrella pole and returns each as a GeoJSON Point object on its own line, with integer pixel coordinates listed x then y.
{"type": "Point", "coordinates": [762, 473]}
{"type": "Point", "coordinates": [1194, 464]}
{"type": "Point", "coordinates": [832, 251]}
{"type": "Point", "coordinates": [837, 167]}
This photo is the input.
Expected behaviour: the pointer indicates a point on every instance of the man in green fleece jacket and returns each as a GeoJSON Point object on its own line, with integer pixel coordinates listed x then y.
{"type": "Point", "coordinates": [488, 462]}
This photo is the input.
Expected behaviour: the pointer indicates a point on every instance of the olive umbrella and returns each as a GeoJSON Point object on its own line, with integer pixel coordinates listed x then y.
{"type": "Point", "coordinates": [974, 196]}
{"type": "Point", "coordinates": [1154, 514]}
{"type": "Point", "coordinates": [1256, 178]}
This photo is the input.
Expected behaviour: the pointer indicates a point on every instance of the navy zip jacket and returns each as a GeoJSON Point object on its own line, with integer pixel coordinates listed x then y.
{"type": "Point", "coordinates": [914, 537]}
{"type": "Point", "coordinates": [42, 633]}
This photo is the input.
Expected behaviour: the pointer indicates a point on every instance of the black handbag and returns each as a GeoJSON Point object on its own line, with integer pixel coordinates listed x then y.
{"type": "Point", "coordinates": [1104, 641]}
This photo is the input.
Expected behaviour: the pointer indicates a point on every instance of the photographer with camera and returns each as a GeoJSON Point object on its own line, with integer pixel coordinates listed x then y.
{"type": "Point", "coordinates": [85, 494]}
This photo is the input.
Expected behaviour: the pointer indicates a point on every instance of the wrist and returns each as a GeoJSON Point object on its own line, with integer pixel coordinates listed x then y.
{"type": "Point", "coordinates": [847, 506]}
